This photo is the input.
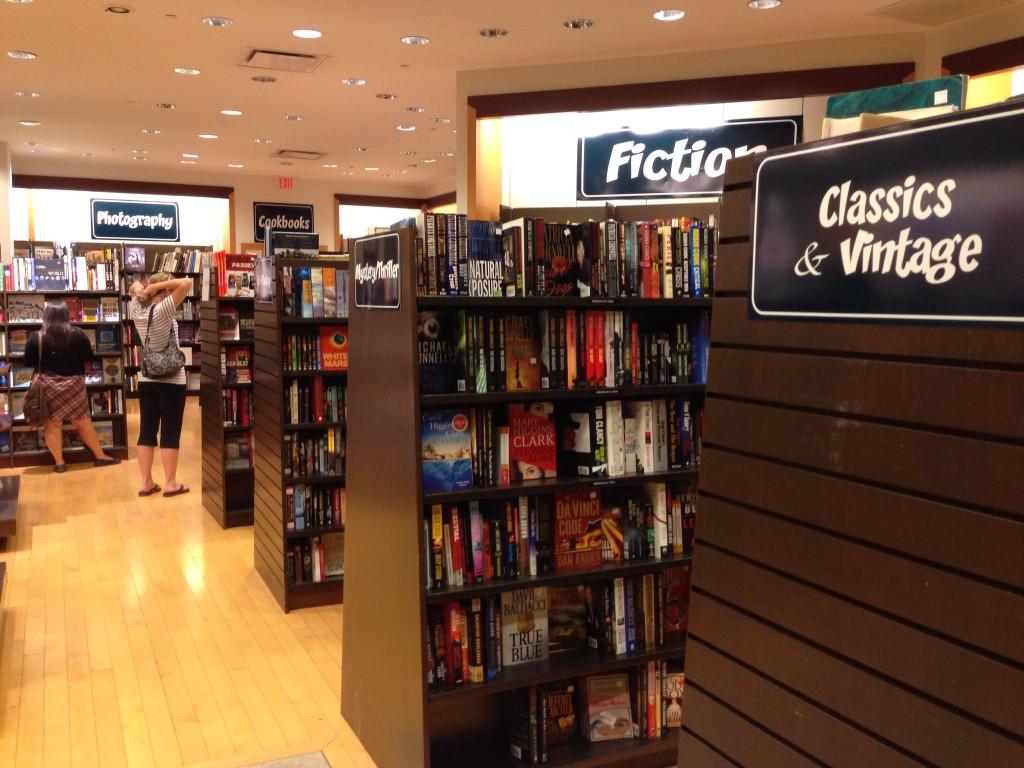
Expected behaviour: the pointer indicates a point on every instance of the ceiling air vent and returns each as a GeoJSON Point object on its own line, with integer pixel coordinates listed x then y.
{"type": "Point", "coordinates": [282, 61]}
{"type": "Point", "coordinates": [932, 13]}
{"type": "Point", "coordinates": [298, 154]}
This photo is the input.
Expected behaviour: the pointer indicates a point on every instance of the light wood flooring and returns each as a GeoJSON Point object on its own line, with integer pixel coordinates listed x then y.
{"type": "Point", "coordinates": [135, 632]}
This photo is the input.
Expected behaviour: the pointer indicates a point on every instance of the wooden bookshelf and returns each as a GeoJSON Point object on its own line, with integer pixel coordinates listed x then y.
{"type": "Point", "coordinates": [400, 719]}
{"type": "Point", "coordinates": [275, 541]}
{"type": "Point", "coordinates": [227, 415]}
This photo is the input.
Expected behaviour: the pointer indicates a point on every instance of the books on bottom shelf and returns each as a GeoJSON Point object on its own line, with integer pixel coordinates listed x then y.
{"type": "Point", "coordinates": [308, 506]}
{"type": "Point", "coordinates": [316, 559]}
{"type": "Point", "coordinates": [236, 407]}
{"type": "Point", "coordinates": [106, 402]}
{"type": "Point", "coordinates": [30, 439]}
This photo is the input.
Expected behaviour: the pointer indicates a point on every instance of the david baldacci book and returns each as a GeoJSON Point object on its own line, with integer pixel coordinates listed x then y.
{"type": "Point", "coordinates": [524, 626]}
{"type": "Point", "coordinates": [441, 337]}
{"type": "Point", "coordinates": [532, 450]}
{"type": "Point", "coordinates": [334, 348]}
{"type": "Point", "coordinates": [446, 450]}
{"type": "Point", "coordinates": [585, 534]}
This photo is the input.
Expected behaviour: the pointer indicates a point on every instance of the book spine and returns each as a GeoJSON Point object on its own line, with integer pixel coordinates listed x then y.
{"type": "Point", "coordinates": [619, 616]}
{"type": "Point", "coordinates": [629, 605]}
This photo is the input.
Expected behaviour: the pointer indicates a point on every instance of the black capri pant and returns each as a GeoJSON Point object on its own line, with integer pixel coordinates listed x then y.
{"type": "Point", "coordinates": [161, 407]}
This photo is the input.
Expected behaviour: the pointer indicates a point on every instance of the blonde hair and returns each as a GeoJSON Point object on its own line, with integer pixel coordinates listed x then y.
{"type": "Point", "coordinates": [139, 285]}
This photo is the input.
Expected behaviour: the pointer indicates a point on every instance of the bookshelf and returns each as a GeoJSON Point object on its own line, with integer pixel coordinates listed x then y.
{"type": "Point", "coordinates": [227, 409]}
{"type": "Point", "coordinates": [181, 261]}
{"type": "Point", "coordinates": [296, 509]}
{"type": "Point", "coordinates": [392, 600]}
{"type": "Point", "coordinates": [98, 313]}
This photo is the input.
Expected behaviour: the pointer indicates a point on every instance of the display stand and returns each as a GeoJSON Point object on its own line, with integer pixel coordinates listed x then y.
{"type": "Point", "coordinates": [858, 573]}
{"type": "Point", "coordinates": [385, 697]}
{"type": "Point", "coordinates": [227, 409]}
{"type": "Point", "coordinates": [279, 541]}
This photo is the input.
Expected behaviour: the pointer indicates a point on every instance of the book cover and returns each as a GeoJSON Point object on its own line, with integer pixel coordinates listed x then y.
{"type": "Point", "coordinates": [18, 338]}
{"type": "Point", "coordinates": [522, 353]}
{"type": "Point", "coordinates": [442, 353]}
{"type": "Point", "coordinates": [585, 535]}
{"type": "Point", "coordinates": [567, 620]}
{"type": "Point", "coordinates": [558, 708]}
{"type": "Point", "coordinates": [22, 376]}
{"type": "Point", "coordinates": [582, 445]}
{"type": "Point", "coordinates": [524, 626]}
{"type": "Point", "coordinates": [25, 309]}
{"type": "Point", "coordinates": [134, 259]}
{"type": "Point", "coordinates": [334, 554]}
{"type": "Point", "coordinates": [106, 339]}
{"type": "Point", "coordinates": [532, 450]}
{"type": "Point", "coordinates": [486, 272]}
{"type": "Point", "coordinates": [608, 708]}
{"type": "Point", "coordinates": [228, 324]}
{"type": "Point", "coordinates": [672, 697]}
{"type": "Point", "coordinates": [105, 433]}
{"type": "Point", "coordinates": [49, 275]}
{"type": "Point", "coordinates": [677, 602]}
{"type": "Point", "coordinates": [334, 348]}
{"type": "Point", "coordinates": [446, 450]}
{"type": "Point", "coordinates": [316, 276]}
{"type": "Point", "coordinates": [110, 309]}
{"type": "Point", "coordinates": [239, 272]}
{"type": "Point", "coordinates": [330, 289]}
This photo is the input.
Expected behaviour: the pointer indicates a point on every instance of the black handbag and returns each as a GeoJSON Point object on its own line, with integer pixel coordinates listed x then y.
{"type": "Point", "coordinates": [36, 411]}
{"type": "Point", "coordinates": [164, 362]}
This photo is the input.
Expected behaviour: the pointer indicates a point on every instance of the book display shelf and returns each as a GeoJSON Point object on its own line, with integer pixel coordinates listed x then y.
{"type": "Point", "coordinates": [181, 261]}
{"type": "Point", "coordinates": [300, 368]}
{"type": "Point", "coordinates": [39, 270]}
{"type": "Point", "coordinates": [521, 500]}
{"type": "Point", "coordinates": [227, 409]}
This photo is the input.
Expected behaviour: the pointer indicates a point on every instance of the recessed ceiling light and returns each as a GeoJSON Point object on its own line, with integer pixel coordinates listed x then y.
{"type": "Point", "coordinates": [166, 105]}
{"type": "Point", "coordinates": [669, 14]}
{"type": "Point", "coordinates": [361, 149]}
{"type": "Point", "coordinates": [140, 157]}
{"type": "Point", "coordinates": [262, 141]}
{"type": "Point", "coordinates": [330, 165]}
{"type": "Point", "coordinates": [187, 71]}
{"type": "Point", "coordinates": [118, 9]}
{"type": "Point", "coordinates": [764, 5]}
{"type": "Point", "coordinates": [218, 21]}
{"type": "Point", "coordinates": [408, 152]}
{"type": "Point", "coordinates": [29, 123]}
{"type": "Point", "coordinates": [414, 165]}
{"type": "Point", "coordinates": [263, 79]}
{"type": "Point", "coordinates": [440, 120]}
{"type": "Point", "coordinates": [387, 96]}
{"type": "Point", "coordinates": [32, 143]}
{"type": "Point", "coordinates": [191, 155]}
{"type": "Point", "coordinates": [36, 151]}
{"type": "Point", "coordinates": [348, 173]}
{"type": "Point", "coordinates": [235, 165]}
{"type": "Point", "coordinates": [19, 2]}
{"type": "Point", "coordinates": [293, 118]}
{"type": "Point", "coordinates": [27, 94]}
{"type": "Point", "coordinates": [447, 154]}
{"type": "Point", "coordinates": [88, 154]}
{"type": "Point", "coordinates": [406, 128]}
{"type": "Point", "coordinates": [207, 135]}
{"type": "Point", "coordinates": [416, 109]}
{"type": "Point", "coordinates": [429, 160]}
{"type": "Point", "coordinates": [415, 40]}
{"type": "Point", "coordinates": [140, 151]}
{"type": "Point", "coordinates": [188, 162]}
{"type": "Point", "coordinates": [307, 34]}
{"type": "Point", "coordinates": [493, 32]}
{"type": "Point", "coordinates": [578, 24]}
{"type": "Point", "coordinates": [231, 112]}
{"type": "Point", "coordinates": [353, 81]}
{"type": "Point", "coordinates": [24, 55]}
{"type": "Point", "coordinates": [151, 131]}
{"type": "Point", "coordinates": [371, 168]}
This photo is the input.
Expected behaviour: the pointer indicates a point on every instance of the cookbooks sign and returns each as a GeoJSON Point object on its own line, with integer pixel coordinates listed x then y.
{"type": "Point", "coordinates": [378, 279]}
{"type": "Point", "coordinates": [920, 223]}
{"type": "Point", "coordinates": [281, 217]}
{"type": "Point", "coordinates": [134, 220]}
{"type": "Point", "coordinates": [675, 163]}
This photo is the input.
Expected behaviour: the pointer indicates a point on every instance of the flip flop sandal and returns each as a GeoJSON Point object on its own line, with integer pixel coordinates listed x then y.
{"type": "Point", "coordinates": [151, 491]}
{"type": "Point", "coordinates": [177, 491]}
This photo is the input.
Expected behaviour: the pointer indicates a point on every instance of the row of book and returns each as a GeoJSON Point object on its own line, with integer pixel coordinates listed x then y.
{"type": "Point", "coordinates": [30, 439]}
{"type": "Point", "coordinates": [29, 309]}
{"type": "Point", "coordinates": [315, 559]}
{"type": "Point", "coordinates": [642, 702]}
{"type": "Point", "coordinates": [236, 407]}
{"type": "Point", "coordinates": [478, 352]}
{"type": "Point", "coordinates": [106, 402]}
{"type": "Point", "coordinates": [238, 452]}
{"type": "Point", "coordinates": [105, 370]}
{"type": "Point", "coordinates": [489, 446]}
{"type": "Point", "coordinates": [472, 641]}
{"type": "Point", "coordinates": [233, 325]}
{"type": "Point", "coordinates": [534, 257]}
{"type": "Point", "coordinates": [62, 268]}
{"type": "Point", "coordinates": [528, 536]}
{"type": "Point", "coordinates": [309, 456]}
{"type": "Point", "coordinates": [313, 506]}
{"type": "Point", "coordinates": [178, 260]}
{"type": "Point", "coordinates": [104, 339]}
{"type": "Point", "coordinates": [234, 272]}
{"type": "Point", "coordinates": [311, 402]}
{"type": "Point", "coordinates": [235, 365]}
{"type": "Point", "coordinates": [314, 291]}
{"type": "Point", "coordinates": [187, 312]}
{"type": "Point", "coordinates": [325, 350]}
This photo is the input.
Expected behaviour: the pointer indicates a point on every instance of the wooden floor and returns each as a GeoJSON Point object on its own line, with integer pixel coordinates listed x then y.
{"type": "Point", "coordinates": [136, 633]}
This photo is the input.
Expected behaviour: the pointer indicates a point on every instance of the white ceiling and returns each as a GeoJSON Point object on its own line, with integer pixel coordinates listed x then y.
{"type": "Point", "coordinates": [101, 75]}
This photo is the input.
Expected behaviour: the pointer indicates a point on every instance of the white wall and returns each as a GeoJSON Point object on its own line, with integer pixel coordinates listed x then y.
{"type": "Point", "coordinates": [6, 238]}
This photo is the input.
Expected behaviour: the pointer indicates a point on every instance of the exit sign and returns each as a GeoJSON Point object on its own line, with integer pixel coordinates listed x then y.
{"type": "Point", "coordinates": [285, 182]}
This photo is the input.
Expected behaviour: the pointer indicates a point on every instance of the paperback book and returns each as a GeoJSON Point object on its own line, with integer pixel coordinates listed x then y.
{"type": "Point", "coordinates": [524, 626]}
{"type": "Point", "coordinates": [446, 451]}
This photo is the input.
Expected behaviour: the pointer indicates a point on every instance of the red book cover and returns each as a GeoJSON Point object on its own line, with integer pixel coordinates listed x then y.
{"type": "Point", "coordinates": [334, 348]}
{"type": "Point", "coordinates": [532, 449]}
{"type": "Point", "coordinates": [453, 643]}
{"type": "Point", "coordinates": [458, 547]}
{"type": "Point", "coordinates": [318, 398]}
{"type": "Point", "coordinates": [677, 602]}
{"type": "Point", "coordinates": [464, 635]}
{"type": "Point", "coordinates": [634, 335]}
{"type": "Point", "coordinates": [570, 348]}
{"type": "Point", "coordinates": [585, 534]}
{"type": "Point", "coordinates": [488, 557]}
{"type": "Point", "coordinates": [600, 368]}
{"type": "Point", "coordinates": [591, 354]}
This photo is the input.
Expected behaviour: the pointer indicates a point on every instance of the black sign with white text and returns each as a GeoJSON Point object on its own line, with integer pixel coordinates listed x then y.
{"type": "Point", "coordinates": [281, 217]}
{"type": "Point", "coordinates": [919, 223]}
{"type": "Point", "coordinates": [134, 220]}
{"type": "Point", "coordinates": [377, 272]}
{"type": "Point", "coordinates": [675, 163]}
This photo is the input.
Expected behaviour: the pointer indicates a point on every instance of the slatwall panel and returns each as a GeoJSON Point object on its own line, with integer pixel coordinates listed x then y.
{"type": "Point", "coordinates": [859, 573]}
{"type": "Point", "coordinates": [210, 406]}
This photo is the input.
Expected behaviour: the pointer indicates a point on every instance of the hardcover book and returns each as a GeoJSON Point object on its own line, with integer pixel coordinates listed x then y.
{"type": "Point", "coordinates": [585, 535]}
{"type": "Point", "coordinates": [25, 309]}
{"type": "Point", "coordinates": [446, 450]}
{"type": "Point", "coordinates": [524, 626]}
{"type": "Point", "coordinates": [228, 324]}
{"type": "Point", "coordinates": [486, 273]}
{"type": "Point", "coordinates": [239, 274]}
{"type": "Point", "coordinates": [442, 352]}
{"type": "Point", "coordinates": [49, 275]}
{"type": "Point", "coordinates": [558, 714]}
{"type": "Point", "coordinates": [134, 259]}
{"type": "Point", "coordinates": [334, 554]}
{"type": "Point", "coordinates": [106, 339]}
{"type": "Point", "coordinates": [334, 348]}
{"type": "Point", "coordinates": [583, 442]}
{"type": "Point", "coordinates": [607, 706]}
{"type": "Point", "coordinates": [677, 602]}
{"type": "Point", "coordinates": [532, 452]}
{"type": "Point", "coordinates": [522, 353]}
{"type": "Point", "coordinates": [567, 620]}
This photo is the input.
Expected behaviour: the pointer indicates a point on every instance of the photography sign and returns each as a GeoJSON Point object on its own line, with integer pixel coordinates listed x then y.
{"type": "Point", "coordinates": [920, 223]}
{"type": "Point", "coordinates": [134, 220]}
{"type": "Point", "coordinates": [378, 272]}
{"type": "Point", "coordinates": [674, 163]}
{"type": "Point", "coordinates": [281, 217]}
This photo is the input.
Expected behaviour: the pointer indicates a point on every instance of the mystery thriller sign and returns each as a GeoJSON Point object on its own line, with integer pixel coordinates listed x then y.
{"type": "Point", "coordinates": [919, 223]}
{"type": "Point", "coordinates": [377, 272]}
{"type": "Point", "coordinates": [674, 163]}
{"type": "Point", "coordinates": [134, 220]}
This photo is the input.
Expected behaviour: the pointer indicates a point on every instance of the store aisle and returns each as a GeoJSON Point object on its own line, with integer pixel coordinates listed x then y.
{"type": "Point", "coordinates": [136, 632]}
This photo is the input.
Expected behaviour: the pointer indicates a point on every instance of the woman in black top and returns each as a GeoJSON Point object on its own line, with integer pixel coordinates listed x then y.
{"type": "Point", "coordinates": [66, 350]}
